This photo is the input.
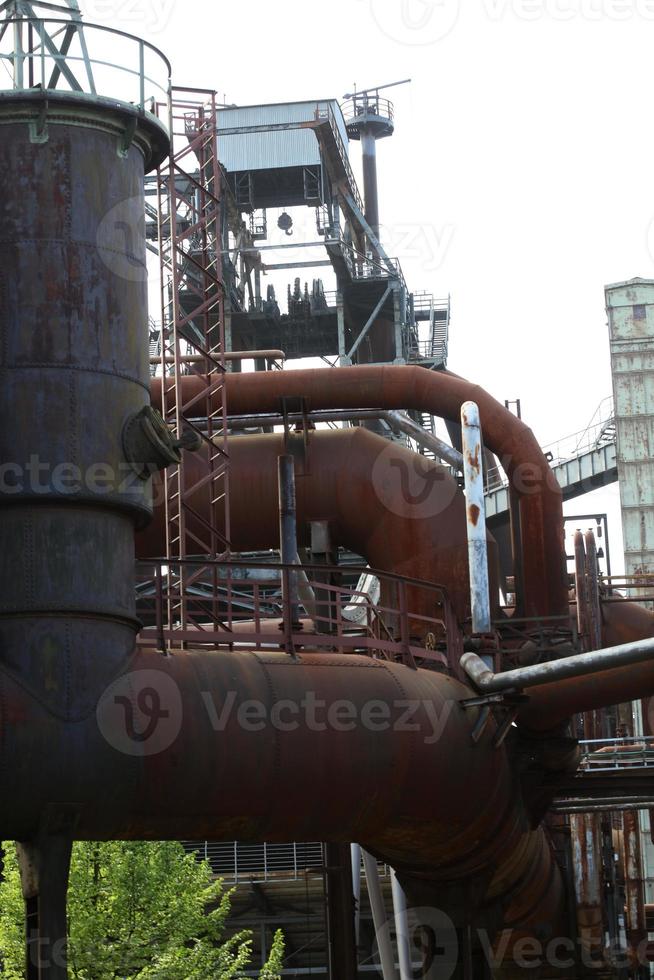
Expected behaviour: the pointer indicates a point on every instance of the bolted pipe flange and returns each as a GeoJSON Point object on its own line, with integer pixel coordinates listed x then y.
{"type": "Point", "coordinates": [149, 444]}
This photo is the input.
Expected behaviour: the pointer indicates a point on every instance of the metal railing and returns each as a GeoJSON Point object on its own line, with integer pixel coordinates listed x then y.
{"type": "Point", "coordinates": [234, 861]}
{"type": "Point", "coordinates": [70, 57]}
{"type": "Point", "coordinates": [611, 754]}
{"type": "Point", "coordinates": [247, 606]}
{"type": "Point", "coordinates": [570, 447]}
{"type": "Point", "coordinates": [327, 115]}
{"type": "Point", "coordinates": [368, 266]}
{"type": "Point", "coordinates": [584, 441]}
{"type": "Point", "coordinates": [424, 350]}
{"type": "Point", "coordinates": [361, 106]}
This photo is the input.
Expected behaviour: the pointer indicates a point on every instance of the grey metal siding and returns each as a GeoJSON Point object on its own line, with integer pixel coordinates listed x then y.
{"type": "Point", "coordinates": [271, 151]}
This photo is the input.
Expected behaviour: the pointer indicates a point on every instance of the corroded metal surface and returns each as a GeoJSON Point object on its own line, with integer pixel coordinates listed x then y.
{"type": "Point", "coordinates": [441, 394]}
{"type": "Point", "coordinates": [475, 519]}
{"type": "Point", "coordinates": [586, 842]}
{"type": "Point", "coordinates": [73, 320]}
{"type": "Point", "coordinates": [319, 757]}
{"type": "Point", "coordinates": [403, 513]}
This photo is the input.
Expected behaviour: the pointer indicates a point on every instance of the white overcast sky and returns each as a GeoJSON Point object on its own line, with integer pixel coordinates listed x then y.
{"type": "Point", "coordinates": [519, 179]}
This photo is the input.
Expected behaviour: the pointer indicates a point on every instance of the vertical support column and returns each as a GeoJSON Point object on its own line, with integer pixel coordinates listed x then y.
{"type": "Point", "coordinates": [586, 843]}
{"type": "Point", "coordinates": [476, 518]}
{"type": "Point", "coordinates": [398, 323]}
{"type": "Point", "coordinates": [382, 931]}
{"type": "Point", "coordinates": [355, 851]}
{"type": "Point", "coordinates": [401, 928]}
{"type": "Point", "coordinates": [340, 912]}
{"type": "Point", "coordinates": [288, 535]}
{"type": "Point", "coordinates": [370, 187]}
{"type": "Point", "coordinates": [257, 297]}
{"type": "Point", "coordinates": [44, 870]}
{"type": "Point", "coordinates": [322, 554]}
{"type": "Point", "coordinates": [634, 885]}
{"type": "Point", "coordinates": [344, 360]}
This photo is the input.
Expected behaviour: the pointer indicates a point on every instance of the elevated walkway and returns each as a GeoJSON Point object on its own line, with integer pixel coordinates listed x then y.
{"type": "Point", "coordinates": [614, 774]}
{"type": "Point", "coordinates": [582, 462]}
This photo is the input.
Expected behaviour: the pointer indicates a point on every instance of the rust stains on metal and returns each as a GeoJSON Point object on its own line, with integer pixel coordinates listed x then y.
{"type": "Point", "coordinates": [474, 513]}
{"type": "Point", "coordinates": [473, 459]}
{"type": "Point", "coordinates": [369, 491]}
{"type": "Point", "coordinates": [442, 394]}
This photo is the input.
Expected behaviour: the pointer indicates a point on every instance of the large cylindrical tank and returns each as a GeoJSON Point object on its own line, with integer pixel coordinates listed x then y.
{"type": "Point", "coordinates": [74, 368]}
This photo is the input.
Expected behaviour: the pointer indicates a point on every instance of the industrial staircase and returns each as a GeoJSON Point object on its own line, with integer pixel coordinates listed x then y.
{"type": "Point", "coordinates": [433, 351]}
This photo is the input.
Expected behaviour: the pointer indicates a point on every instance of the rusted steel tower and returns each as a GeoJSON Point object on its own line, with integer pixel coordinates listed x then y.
{"type": "Point", "coordinates": [75, 377]}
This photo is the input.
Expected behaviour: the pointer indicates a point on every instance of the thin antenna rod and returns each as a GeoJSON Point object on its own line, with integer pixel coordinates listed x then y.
{"type": "Point", "coordinates": [376, 88]}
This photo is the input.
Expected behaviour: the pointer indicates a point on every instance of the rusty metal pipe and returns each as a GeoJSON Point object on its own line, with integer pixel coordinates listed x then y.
{"type": "Point", "coordinates": [441, 394]}
{"type": "Point", "coordinates": [551, 703]}
{"type": "Point", "coordinates": [475, 519]}
{"type": "Point", "coordinates": [403, 513]}
{"type": "Point", "coordinates": [580, 665]}
{"type": "Point", "coordinates": [288, 532]}
{"type": "Point", "coordinates": [397, 421]}
{"type": "Point", "coordinates": [231, 355]}
{"type": "Point", "coordinates": [319, 758]}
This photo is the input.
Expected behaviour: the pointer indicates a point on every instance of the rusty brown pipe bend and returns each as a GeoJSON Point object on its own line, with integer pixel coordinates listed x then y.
{"type": "Point", "coordinates": [394, 785]}
{"type": "Point", "coordinates": [353, 479]}
{"type": "Point", "coordinates": [551, 704]}
{"type": "Point", "coordinates": [441, 394]}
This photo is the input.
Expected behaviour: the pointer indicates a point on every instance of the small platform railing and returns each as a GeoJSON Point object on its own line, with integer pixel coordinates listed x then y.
{"type": "Point", "coordinates": [611, 754]}
{"type": "Point", "coordinates": [249, 606]}
{"type": "Point", "coordinates": [74, 58]}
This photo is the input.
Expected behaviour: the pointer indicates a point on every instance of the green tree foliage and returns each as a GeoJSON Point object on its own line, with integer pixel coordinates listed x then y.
{"type": "Point", "coordinates": [137, 911]}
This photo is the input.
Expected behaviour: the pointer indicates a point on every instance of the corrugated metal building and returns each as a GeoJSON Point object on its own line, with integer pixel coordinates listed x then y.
{"type": "Point", "coordinates": [630, 308]}
{"type": "Point", "coordinates": [278, 149]}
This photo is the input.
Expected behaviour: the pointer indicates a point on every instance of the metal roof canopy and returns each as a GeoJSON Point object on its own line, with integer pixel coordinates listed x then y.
{"type": "Point", "coordinates": [271, 136]}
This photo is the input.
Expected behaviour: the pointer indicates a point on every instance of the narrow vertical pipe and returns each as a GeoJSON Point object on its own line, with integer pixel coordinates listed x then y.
{"type": "Point", "coordinates": [585, 837]}
{"type": "Point", "coordinates": [516, 548]}
{"type": "Point", "coordinates": [634, 884]}
{"type": "Point", "coordinates": [355, 851]}
{"type": "Point", "coordinates": [288, 532]}
{"type": "Point", "coordinates": [44, 865]}
{"type": "Point", "coordinates": [340, 912]}
{"type": "Point", "coordinates": [382, 932]}
{"type": "Point", "coordinates": [476, 518]}
{"type": "Point", "coordinates": [401, 928]}
{"type": "Point", "coordinates": [370, 188]}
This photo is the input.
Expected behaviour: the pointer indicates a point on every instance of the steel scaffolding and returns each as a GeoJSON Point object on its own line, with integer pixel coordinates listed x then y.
{"type": "Point", "coordinates": [192, 323]}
